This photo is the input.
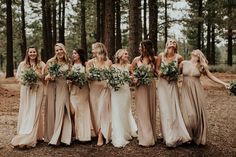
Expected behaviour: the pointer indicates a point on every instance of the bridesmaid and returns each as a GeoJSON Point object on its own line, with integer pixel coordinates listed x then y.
{"type": "Point", "coordinates": [100, 95]}
{"type": "Point", "coordinates": [145, 98]}
{"type": "Point", "coordinates": [30, 103]}
{"type": "Point", "coordinates": [123, 123]}
{"type": "Point", "coordinates": [193, 96]}
{"type": "Point", "coordinates": [79, 98]}
{"type": "Point", "coordinates": [60, 103]}
{"type": "Point", "coordinates": [172, 124]}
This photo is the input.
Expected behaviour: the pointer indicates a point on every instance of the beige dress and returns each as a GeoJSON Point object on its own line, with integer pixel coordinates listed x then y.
{"type": "Point", "coordinates": [62, 128]}
{"type": "Point", "coordinates": [81, 109]}
{"type": "Point", "coordinates": [31, 99]}
{"type": "Point", "coordinates": [100, 99]}
{"type": "Point", "coordinates": [193, 101]}
{"type": "Point", "coordinates": [145, 101]}
{"type": "Point", "coordinates": [172, 124]}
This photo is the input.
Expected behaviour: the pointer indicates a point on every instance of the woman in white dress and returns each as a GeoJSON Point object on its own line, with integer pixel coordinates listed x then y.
{"type": "Point", "coordinates": [123, 123]}
{"type": "Point", "coordinates": [31, 98]}
{"type": "Point", "coordinates": [172, 124]}
{"type": "Point", "coordinates": [59, 107]}
{"type": "Point", "coordinates": [193, 96]}
{"type": "Point", "coordinates": [100, 95]}
{"type": "Point", "coordinates": [79, 97]}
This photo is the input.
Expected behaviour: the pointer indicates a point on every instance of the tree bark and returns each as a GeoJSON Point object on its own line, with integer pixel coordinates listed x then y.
{"type": "Point", "coordinates": [166, 22]}
{"type": "Point", "coordinates": [24, 43]}
{"type": "Point", "coordinates": [83, 27]}
{"type": "Point", "coordinates": [213, 52]}
{"type": "Point", "coordinates": [230, 37]}
{"type": "Point", "coordinates": [135, 25]}
{"type": "Point", "coordinates": [54, 22]}
{"type": "Point", "coordinates": [118, 29]}
{"type": "Point", "coordinates": [10, 66]}
{"type": "Point", "coordinates": [153, 22]}
{"type": "Point", "coordinates": [110, 27]}
{"type": "Point", "coordinates": [102, 21]}
{"type": "Point", "coordinates": [98, 31]}
{"type": "Point", "coordinates": [199, 27]}
{"type": "Point", "coordinates": [145, 19]}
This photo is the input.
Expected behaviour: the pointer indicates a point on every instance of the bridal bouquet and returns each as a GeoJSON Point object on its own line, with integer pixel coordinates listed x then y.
{"type": "Point", "coordinates": [143, 74]}
{"type": "Point", "coordinates": [56, 70]}
{"type": "Point", "coordinates": [97, 74]}
{"type": "Point", "coordinates": [232, 88]}
{"type": "Point", "coordinates": [117, 78]}
{"type": "Point", "coordinates": [77, 77]}
{"type": "Point", "coordinates": [29, 77]}
{"type": "Point", "coordinates": [170, 71]}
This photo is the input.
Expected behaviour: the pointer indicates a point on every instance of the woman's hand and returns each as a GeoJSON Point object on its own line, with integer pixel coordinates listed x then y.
{"type": "Point", "coordinates": [48, 78]}
{"type": "Point", "coordinates": [227, 85]}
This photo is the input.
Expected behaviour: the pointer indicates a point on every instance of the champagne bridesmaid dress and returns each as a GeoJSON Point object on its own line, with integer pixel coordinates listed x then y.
{"type": "Point", "coordinates": [31, 99]}
{"type": "Point", "coordinates": [172, 124]}
{"type": "Point", "coordinates": [193, 101]}
{"type": "Point", "coordinates": [79, 98]}
{"type": "Point", "coordinates": [145, 102]}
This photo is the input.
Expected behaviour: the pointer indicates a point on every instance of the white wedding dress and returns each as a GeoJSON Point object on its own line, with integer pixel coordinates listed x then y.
{"type": "Point", "coordinates": [123, 123]}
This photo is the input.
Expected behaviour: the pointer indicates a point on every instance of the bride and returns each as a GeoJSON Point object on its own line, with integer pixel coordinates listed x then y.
{"type": "Point", "coordinates": [123, 124]}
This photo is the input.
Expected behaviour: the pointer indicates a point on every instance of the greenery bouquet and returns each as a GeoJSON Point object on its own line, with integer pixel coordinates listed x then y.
{"type": "Point", "coordinates": [77, 77]}
{"type": "Point", "coordinates": [170, 71]}
{"type": "Point", "coordinates": [117, 78]}
{"type": "Point", "coordinates": [143, 74]}
{"type": "Point", "coordinates": [29, 77]}
{"type": "Point", "coordinates": [232, 87]}
{"type": "Point", "coordinates": [97, 74]}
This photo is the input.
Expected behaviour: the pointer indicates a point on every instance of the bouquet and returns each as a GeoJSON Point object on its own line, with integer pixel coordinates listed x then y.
{"type": "Point", "coordinates": [98, 74]}
{"type": "Point", "coordinates": [56, 70]}
{"type": "Point", "coordinates": [77, 77]}
{"type": "Point", "coordinates": [232, 88]}
{"type": "Point", "coordinates": [170, 71]}
{"type": "Point", "coordinates": [117, 78]}
{"type": "Point", "coordinates": [29, 77]}
{"type": "Point", "coordinates": [143, 74]}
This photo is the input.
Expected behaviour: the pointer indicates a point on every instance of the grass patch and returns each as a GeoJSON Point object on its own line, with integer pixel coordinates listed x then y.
{"type": "Point", "coordinates": [222, 68]}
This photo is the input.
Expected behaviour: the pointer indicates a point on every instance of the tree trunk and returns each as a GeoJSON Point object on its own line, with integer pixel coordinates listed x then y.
{"type": "Point", "coordinates": [83, 27]}
{"type": "Point", "coordinates": [47, 31]}
{"type": "Point", "coordinates": [153, 22]}
{"type": "Point", "coordinates": [135, 24]}
{"type": "Point", "coordinates": [213, 53]}
{"type": "Point", "coordinates": [23, 44]}
{"type": "Point", "coordinates": [110, 27]}
{"type": "Point", "coordinates": [62, 24]}
{"type": "Point", "coordinates": [102, 21]}
{"type": "Point", "coordinates": [145, 19]}
{"type": "Point", "coordinates": [199, 31]}
{"type": "Point", "coordinates": [166, 22]}
{"type": "Point", "coordinates": [54, 22]}
{"type": "Point", "coordinates": [208, 50]}
{"type": "Point", "coordinates": [118, 30]}
{"type": "Point", "coordinates": [10, 67]}
{"type": "Point", "coordinates": [98, 32]}
{"type": "Point", "coordinates": [230, 37]}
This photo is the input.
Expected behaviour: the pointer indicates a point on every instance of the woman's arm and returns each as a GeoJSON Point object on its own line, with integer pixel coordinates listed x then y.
{"type": "Point", "coordinates": [215, 79]}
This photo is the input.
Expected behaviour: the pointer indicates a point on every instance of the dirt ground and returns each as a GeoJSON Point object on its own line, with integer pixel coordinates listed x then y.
{"type": "Point", "coordinates": [220, 108]}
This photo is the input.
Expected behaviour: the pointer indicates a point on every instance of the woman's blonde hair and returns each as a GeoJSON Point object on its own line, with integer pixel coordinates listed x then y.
{"type": "Point", "coordinates": [166, 47]}
{"type": "Point", "coordinates": [119, 54]}
{"type": "Point", "coordinates": [66, 58]}
{"type": "Point", "coordinates": [202, 62]}
{"type": "Point", "coordinates": [102, 51]}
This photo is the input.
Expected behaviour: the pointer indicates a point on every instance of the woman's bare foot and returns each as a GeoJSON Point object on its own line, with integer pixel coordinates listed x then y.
{"type": "Point", "coordinates": [100, 139]}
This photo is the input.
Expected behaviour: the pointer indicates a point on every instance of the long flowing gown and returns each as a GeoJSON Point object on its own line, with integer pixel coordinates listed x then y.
{"type": "Point", "coordinates": [31, 99]}
{"type": "Point", "coordinates": [193, 101]}
{"type": "Point", "coordinates": [145, 101]}
{"type": "Point", "coordinates": [100, 99]}
{"type": "Point", "coordinates": [79, 98]}
{"type": "Point", "coordinates": [123, 123]}
{"type": "Point", "coordinates": [172, 124]}
{"type": "Point", "coordinates": [62, 127]}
